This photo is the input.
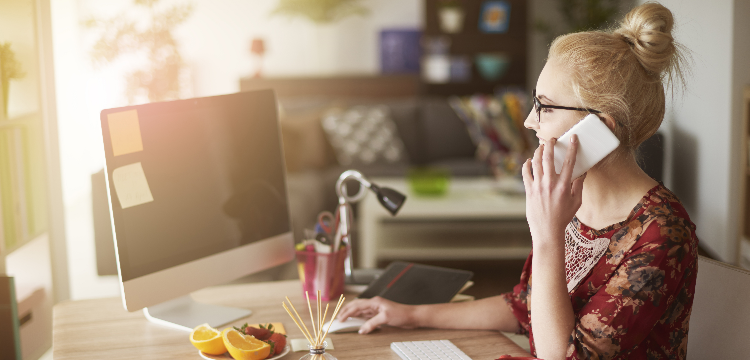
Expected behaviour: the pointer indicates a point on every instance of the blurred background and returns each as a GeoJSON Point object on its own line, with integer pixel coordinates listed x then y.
{"type": "Point", "coordinates": [433, 67]}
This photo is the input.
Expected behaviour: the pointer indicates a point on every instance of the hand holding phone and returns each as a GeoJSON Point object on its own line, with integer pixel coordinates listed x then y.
{"type": "Point", "coordinates": [595, 141]}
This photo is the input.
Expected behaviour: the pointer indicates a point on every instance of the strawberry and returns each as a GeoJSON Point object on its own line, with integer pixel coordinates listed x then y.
{"type": "Point", "coordinates": [279, 340]}
{"type": "Point", "coordinates": [273, 348]}
{"type": "Point", "coordinates": [260, 334]}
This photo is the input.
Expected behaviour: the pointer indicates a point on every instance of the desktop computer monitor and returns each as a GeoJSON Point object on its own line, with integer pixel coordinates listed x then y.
{"type": "Point", "coordinates": [197, 197]}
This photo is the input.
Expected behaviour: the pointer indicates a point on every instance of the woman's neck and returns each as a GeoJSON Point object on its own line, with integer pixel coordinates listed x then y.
{"type": "Point", "coordinates": [611, 192]}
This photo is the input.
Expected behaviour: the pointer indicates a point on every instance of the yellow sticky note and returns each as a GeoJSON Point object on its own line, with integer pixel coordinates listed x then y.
{"type": "Point", "coordinates": [131, 185]}
{"type": "Point", "coordinates": [125, 132]}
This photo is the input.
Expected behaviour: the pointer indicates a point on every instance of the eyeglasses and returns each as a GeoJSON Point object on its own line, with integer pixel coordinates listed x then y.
{"type": "Point", "coordinates": [538, 106]}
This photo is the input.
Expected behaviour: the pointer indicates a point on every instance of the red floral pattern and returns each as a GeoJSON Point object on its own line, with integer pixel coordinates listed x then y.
{"type": "Point", "coordinates": [636, 301]}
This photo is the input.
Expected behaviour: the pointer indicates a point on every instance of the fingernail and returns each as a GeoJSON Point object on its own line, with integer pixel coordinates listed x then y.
{"type": "Point", "coordinates": [361, 331]}
{"type": "Point", "coordinates": [573, 139]}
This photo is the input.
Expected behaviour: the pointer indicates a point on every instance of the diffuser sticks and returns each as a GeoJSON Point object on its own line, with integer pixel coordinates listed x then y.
{"type": "Point", "coordinates": [317, 337]}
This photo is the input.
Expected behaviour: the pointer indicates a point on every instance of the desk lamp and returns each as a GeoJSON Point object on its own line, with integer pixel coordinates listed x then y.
{"type": "Point", "coordinates": [391, 200]}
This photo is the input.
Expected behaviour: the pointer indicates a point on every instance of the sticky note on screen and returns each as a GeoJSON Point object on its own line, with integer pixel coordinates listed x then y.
{"type": "Point", "coordinates": [124, 132]}
{"type": "Point", "coordinates": [131, 185]}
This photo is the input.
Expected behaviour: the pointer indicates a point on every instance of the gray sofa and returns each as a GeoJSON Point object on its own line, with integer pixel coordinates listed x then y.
{"type": "Point", "coordinates": [431, 132]}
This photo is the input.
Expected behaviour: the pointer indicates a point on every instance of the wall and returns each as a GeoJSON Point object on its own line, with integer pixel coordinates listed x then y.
{"type": "Point", "coordinates": [704, 121]}
{"type": "Point", "coordinates": [740, 80]}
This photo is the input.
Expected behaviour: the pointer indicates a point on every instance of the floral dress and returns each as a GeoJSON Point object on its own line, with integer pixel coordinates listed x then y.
{"type": "Point", "coordinates": [635, 302]}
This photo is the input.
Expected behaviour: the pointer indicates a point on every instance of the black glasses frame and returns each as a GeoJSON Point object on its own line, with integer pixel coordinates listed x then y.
{"type": "Point", "coordinates": [538, 106]}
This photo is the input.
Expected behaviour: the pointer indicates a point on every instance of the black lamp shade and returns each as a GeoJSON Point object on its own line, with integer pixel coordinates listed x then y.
{"type": "Point", "coordinates": [391, 199]}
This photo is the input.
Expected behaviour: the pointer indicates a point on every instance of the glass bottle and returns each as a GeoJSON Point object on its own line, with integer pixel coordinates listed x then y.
{"type": "Point", "coordinates": [318, 353]}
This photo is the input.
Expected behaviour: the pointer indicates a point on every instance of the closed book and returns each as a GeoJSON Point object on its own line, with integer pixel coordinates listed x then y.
{"type": "Point", "coordinates": [416, 284]}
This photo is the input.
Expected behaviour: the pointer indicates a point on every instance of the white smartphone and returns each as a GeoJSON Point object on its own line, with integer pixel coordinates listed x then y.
{"type": "Point", "coordinates": [595, 141]}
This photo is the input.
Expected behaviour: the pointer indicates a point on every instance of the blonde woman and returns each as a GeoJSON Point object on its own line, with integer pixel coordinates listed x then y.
{"type": "Point", "coordinates": [614, 257]}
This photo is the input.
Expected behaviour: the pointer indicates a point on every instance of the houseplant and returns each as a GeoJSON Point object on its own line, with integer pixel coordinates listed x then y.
{"type": "Point", "coordinates": [153, 39]}
{"type": "Point", "coordinates": [10, 68]}
{"type": "Point", "coordinates": [320, 11]}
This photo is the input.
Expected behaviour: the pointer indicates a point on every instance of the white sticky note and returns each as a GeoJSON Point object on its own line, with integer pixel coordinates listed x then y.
{"type": "Point", "coordinates": [125, 132]}
{"type": "Point", "coordinates": [131, 185]}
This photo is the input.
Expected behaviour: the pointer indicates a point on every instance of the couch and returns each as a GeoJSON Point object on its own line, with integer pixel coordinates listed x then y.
{"type": "Point", "coordinates": [431, 132]}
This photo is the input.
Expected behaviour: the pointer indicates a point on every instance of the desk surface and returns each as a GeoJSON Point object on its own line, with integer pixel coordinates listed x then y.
{"type": "Point", "coordinates": [102, 329]}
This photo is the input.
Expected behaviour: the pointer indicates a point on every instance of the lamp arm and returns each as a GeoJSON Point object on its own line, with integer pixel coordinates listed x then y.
{"type": "Point", "coordinates": [341, 190]}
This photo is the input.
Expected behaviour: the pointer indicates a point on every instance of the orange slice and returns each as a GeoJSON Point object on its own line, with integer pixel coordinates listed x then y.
{"type": "Point", "coordinates": [244, 347]}
{"type": "Point", "coordinates": [207, 339]}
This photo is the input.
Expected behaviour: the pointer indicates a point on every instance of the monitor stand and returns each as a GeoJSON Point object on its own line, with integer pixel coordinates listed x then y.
{"type": "Point", "coordinates": [185, 314]}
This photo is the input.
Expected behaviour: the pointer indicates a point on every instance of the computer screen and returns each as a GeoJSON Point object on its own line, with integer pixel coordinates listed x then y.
{"type": "Point", "coordinates": [190, 181]}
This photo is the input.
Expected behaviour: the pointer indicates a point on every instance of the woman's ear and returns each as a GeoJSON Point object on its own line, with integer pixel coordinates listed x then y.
{"type": "Point", "coordinates": [608, 120]}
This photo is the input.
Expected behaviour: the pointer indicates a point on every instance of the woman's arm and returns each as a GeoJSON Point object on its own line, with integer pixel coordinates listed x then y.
{"type": "Point", "coordinates": [551, 202]}
{"type": "Point", "coordinates": [490, 313]}
{"type": "Point", "coordinates": [552, 315]}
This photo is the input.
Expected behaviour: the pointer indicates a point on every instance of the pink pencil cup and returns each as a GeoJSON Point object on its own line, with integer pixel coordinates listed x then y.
{"type": "Point", "coordinates": [321, 271]}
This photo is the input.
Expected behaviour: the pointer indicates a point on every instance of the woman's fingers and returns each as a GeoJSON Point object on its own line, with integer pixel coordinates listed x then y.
{"type": "Point", "coordinates": [526, 174]}
{"type": "Point", "coordinates": [536, 163]}
{"type": "Point", "coordinates": [577, 189]}
{"type": "Point", "coordinates": [570, 161]}
{"type": "Point", "coordinates": [548, 157]}
{"type": "Point", "coordinates": [356, 308]}
{"type": "Point", "coordinates": [373, 323]}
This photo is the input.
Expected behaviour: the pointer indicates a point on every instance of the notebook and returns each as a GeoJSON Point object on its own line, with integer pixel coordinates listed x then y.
{"type": "Point", "coordinates": [415, 284]}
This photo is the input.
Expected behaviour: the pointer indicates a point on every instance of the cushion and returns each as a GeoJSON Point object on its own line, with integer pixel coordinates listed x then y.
{"type": "Point", "coordinates": [305, 143]}
{"type": "Point", "coordinates": [364, 135]}
{"type": "Point", "coordinates": [445, 136]}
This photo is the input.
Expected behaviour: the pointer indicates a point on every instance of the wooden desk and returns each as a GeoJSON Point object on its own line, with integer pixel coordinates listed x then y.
{"type": "Point", "coordinates": [102, 329]}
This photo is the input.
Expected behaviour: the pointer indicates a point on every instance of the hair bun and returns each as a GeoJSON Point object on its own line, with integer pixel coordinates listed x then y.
{"type": "Point", "coordinates": [648, 30]}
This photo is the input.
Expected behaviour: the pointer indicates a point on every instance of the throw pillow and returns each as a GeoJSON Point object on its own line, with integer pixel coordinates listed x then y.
{"type": "Point", "coordinates": [364, 135]}
{"type": "Point", "coordinates": [305, 143]}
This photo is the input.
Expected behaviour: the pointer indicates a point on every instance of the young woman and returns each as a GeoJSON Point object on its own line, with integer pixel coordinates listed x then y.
{"type": "Point", "coordinates": [614, 256]}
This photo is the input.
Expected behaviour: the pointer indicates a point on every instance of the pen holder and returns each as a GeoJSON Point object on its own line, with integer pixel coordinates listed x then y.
{"type": "Point", "coordinates": [321, 271]}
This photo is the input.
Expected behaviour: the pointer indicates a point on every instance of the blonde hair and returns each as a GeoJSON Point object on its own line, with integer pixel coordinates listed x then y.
{"type": "Point", "coordinates": [622, 72]}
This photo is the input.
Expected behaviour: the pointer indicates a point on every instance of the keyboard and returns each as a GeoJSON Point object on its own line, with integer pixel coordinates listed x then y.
{"type": "Point", "coordinates": [428, 350]}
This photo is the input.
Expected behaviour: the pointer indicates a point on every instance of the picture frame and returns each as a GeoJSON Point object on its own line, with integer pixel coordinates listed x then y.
{"type": "Point", "coordinates": [494, 17]}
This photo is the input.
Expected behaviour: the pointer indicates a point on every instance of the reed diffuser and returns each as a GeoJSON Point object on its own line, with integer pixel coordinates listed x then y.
{"type": "Point", "coordinates": [317, 337]}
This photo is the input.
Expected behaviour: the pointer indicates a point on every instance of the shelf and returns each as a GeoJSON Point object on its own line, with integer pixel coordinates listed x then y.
{"type": "Point", "coordinates": [471, 41]}
{"type": "Point", "coordinates": [349, 86]}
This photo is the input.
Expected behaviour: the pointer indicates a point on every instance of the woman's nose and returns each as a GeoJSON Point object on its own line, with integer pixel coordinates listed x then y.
{"type": "Point", "coordinates": [530, 122]}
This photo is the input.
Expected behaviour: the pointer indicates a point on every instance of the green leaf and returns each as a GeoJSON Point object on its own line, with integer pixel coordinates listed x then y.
{"type": "Point", "coordinates": [320, 11]}
{"type": "Point", "coordinates": [273, 346]}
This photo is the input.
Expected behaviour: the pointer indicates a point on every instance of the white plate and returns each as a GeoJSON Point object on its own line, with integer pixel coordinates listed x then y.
{"type": "Point", "coordinates": [226, 355]}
